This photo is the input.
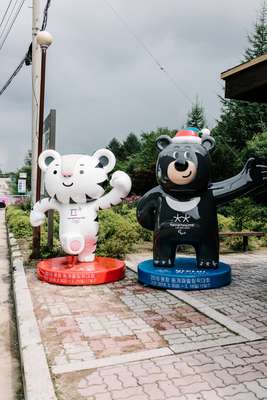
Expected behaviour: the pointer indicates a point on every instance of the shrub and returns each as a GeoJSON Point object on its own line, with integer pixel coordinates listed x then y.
{"type": "Point", "coordinates": [247, 215]}
{"type": "Point", "coordinates": [225, 223]}
{"type": "Point", "coordinates": [24, 203]}
{"type": "Point", "coordinates": [244, 214]}
{"type": "Point", "coordinates": [119, 230]}
{"type": "Point", "coordinates": [117, 234]}
{"type": "Point", "coordinates": [18, 222]}
{"type": "Point", "coordinates": [129, 211]}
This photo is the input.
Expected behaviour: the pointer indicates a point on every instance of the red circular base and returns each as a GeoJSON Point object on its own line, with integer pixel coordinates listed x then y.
{"type": "Point", "coordinates": [69, 271]}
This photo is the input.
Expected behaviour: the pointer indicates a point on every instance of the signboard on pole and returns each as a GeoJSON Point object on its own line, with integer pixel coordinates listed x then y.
{"type": "Point", "coordinates": [49, 138]}
{"type": "Point", "coordinates": [21, 186]}
{"type": "Point", "coordinates": [49, 142]}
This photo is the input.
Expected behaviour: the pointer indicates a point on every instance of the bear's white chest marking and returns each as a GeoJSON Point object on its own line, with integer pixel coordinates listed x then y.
{"type": "Point", "coordinates": [182, 206]}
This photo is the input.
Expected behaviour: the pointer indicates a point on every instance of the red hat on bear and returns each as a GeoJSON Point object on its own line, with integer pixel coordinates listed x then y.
{"type": "Point", "coordinates": [189, 135]}
{"type": "Point", "coordinates": [186, 136]}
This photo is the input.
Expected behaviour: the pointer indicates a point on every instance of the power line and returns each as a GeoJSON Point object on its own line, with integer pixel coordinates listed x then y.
{"type": "Point", "coordinates": [156, 61]}
{"type": "Point", "coordinates": [12, 23]}
{"type": "Point", "coordinates": [5, 13]}
{"type": "Point", "coordinates": [148, 51]}
{"type": "Point", "coordinates": [45, 17]}
{"type": "Point", "coordinates": [8, 19]}
{"type": "Point", "coordinates": [12, 76]}
{"type": "Point", "coordinates": [28, 56]}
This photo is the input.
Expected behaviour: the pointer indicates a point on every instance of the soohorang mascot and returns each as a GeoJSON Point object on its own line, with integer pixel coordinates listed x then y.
{"type": "Point", "coordinates": [182, 209]}
{"type": "Point", "coordinates": [73, 184]}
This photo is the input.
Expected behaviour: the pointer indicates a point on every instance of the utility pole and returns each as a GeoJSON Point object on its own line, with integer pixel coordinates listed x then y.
{"type": "Point", "coordinates": [36, 71]}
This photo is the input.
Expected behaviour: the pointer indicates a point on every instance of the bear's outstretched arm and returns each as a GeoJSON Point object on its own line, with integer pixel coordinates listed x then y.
{"type": "Point", "coordinates": [121, 186]}
{"type": "Point", "coordinates": [147, 209]}
{"type": "Point", "coordinates": [250, 178]}
{"type": "Point", "coordinates": [37, 216]}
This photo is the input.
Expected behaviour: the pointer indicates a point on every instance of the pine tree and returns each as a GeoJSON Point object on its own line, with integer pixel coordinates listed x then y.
{"type": "Point", "coordinates": [131, 145]}
{"type": "Point", "coordinates": [115, 146]}
{"type": "Point", "coordinates": [240, 120]}
{"type": "Point", "coordinates": [196, 117]}
{"type": "Point", "coordinates": [258, 40]}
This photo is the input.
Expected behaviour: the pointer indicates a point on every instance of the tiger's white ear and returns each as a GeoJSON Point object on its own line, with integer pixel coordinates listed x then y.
{"type": "Point", "coordinates": [106, 158]}
{"type": "Point", "coordinates": [46, 157]}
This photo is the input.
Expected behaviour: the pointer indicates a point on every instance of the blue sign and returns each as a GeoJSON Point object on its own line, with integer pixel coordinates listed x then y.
{"type": "Point", "coordinates": [184, 275]}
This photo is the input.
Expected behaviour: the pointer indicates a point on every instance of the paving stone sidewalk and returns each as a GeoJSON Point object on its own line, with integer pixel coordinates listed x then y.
{"type": "Point", "coordinates": [126, 341]}
{"type": "Point", "coordinates": [245, 300]}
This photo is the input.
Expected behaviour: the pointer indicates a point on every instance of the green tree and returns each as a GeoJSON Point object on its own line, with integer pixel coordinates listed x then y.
{"type": "Point", "coordinates": [257, 147]}
{"type": "Point", "coordinates": [258, 39]}
{"type": "Point", "coordinates": [141, 166]}
{"type": "Point", "coordinates": [26, 168]}
{"type": "Point", "coordinates": [122, 151]}
{"type": "Point", "coordinates": [196, 117]}
{"type": "Point", "coordinates": [239, 120]}
{"type": "Point", "coordinates": [131, 145]}
{"type": "Point", "coordinates": [116, 147]}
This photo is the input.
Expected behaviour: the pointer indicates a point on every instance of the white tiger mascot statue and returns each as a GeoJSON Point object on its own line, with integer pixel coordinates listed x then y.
{"type": "Point", "coordinates": [73, 184]}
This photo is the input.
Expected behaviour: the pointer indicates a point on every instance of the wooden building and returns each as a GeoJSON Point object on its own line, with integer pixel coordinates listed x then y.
{"type": "Point", "coordinates": [247, 81]}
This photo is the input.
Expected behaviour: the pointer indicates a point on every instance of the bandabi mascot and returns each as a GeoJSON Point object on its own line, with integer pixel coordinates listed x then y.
{"type": "Point", "coordinates": [182, 208]}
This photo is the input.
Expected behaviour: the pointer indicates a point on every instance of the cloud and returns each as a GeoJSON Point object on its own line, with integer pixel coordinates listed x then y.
{"type": "Point", "coordinates": [102, 81]}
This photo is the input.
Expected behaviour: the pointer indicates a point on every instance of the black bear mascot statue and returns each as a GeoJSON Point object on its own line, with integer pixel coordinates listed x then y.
{"type": "Point", "coordinates": [182, 209]}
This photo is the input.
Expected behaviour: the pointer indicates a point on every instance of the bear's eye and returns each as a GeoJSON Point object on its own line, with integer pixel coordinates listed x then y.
{"type": "Point", "coordinates": [186, 154]}
{"type": "Point", "coordinates": [55, 172]}
{"type": "Point", "coordinates": [176, 154]}
{"type": "Point", "coordinates": [81, 171]}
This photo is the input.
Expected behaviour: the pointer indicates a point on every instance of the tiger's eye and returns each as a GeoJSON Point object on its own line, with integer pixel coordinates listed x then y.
{"type": "Point", "coordinates": [81, 171]}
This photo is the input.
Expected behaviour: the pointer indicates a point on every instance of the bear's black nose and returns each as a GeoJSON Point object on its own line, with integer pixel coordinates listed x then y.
{"type": "Point", "coordinates": [181, 166]}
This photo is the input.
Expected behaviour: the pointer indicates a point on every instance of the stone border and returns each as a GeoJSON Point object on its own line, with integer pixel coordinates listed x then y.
{"type": "Point", "coordinates": [112, 360]}
{"type": "Point", "coordinates": [145, 355]}
{"type": "Point", "coordinates": [37, 382]}
{"type": "Point", "coordinates": [223, 320]}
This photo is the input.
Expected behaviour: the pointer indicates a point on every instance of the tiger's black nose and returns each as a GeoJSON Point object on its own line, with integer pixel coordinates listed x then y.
{"type": "Point", "coordinates": [179, 166]}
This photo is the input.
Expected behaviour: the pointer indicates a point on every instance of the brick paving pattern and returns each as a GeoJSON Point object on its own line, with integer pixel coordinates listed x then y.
{"type": "Point", "coordinates": [88, 324]}
{"type": "Point", "coordinates": [245, 300]}
{"type": "Point", "coordinates": [237, 372]}
{"type": "Point", "coordinates": [91, 322]}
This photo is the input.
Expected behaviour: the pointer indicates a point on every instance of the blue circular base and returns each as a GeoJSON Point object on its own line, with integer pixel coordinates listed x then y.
{"type": "Point", "coordinates": [183, 275]}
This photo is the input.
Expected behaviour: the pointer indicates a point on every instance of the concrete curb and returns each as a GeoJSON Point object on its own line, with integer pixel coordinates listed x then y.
{"type": "Point", "coordinates": [37, 382]}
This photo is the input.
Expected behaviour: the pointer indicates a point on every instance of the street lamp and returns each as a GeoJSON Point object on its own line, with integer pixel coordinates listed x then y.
{"type": "Point", "coordinates": [44, 39]}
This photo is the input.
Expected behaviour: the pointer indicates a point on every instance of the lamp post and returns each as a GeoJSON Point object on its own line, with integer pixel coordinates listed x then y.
{"type": "Point", "coordinates": [44, 39]}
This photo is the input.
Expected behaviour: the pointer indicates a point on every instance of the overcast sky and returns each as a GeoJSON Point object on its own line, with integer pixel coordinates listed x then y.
{"type": "Point", "coordinates": [103, 83]}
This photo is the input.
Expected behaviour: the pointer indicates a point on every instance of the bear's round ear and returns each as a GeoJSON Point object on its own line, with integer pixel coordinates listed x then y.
{"type": "Point", "coordinates": [208, 142]}
{"type": "Point", "coordinates": [162, 142]}
{"type": "Point", "coordinates": [46, 157]}
{"type": "Point", "coordinates": [106, 158]}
